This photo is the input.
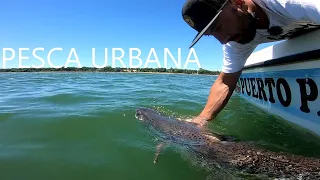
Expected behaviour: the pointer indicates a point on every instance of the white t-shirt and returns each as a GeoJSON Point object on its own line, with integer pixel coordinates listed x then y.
{"type": "Point", "coordinates": [291, 15]}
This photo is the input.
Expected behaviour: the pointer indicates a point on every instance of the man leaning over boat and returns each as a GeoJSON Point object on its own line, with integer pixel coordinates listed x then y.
{"type": "Point", "coordinates": [240, 26]}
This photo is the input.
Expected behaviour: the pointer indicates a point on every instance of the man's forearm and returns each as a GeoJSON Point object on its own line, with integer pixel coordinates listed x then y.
{"type": "Point", "coordinates": [219, 95]}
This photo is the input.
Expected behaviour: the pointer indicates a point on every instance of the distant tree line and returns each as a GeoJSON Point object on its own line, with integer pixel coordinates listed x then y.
{"type": "Point", "coordinates": [111, 69]}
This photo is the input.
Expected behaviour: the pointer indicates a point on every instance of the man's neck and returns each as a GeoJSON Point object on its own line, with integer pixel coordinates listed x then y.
{"type": "Point", "coordinates": [262, 18]}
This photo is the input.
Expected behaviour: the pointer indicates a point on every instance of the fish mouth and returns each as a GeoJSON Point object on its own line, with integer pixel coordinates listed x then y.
{"type": "Point", "coordinates": [144, 114]}
{"type": "Point", "coordinates": [140, 115]}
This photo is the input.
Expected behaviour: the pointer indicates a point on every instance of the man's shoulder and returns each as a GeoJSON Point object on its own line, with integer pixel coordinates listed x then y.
{"type": "Point", "coordinates": [285, 4]}
{"type": "Point", "coordinates": [287, 15]}
{"type": "Point", "coordinates": [292, 10]}
{"type": "Point", "coordinates": [290, 18]}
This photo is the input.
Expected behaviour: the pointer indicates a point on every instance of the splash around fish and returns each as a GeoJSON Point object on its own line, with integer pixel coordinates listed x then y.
{"type": "Point", "coordinates": [173, 131]}
{"type": "Point", "coordinates": [226, 153]}
{"type": "Point", "coordinates": [176, 127]}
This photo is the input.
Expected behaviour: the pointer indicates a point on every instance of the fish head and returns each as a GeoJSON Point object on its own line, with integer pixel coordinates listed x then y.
{"type": "Point", "coordinates": [145, 114]}
{"type": "Point", "coordinates": [154, 122]}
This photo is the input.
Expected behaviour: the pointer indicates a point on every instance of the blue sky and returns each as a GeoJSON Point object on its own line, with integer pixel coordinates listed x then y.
{"type": "Point", "coordinates": [84, 25]}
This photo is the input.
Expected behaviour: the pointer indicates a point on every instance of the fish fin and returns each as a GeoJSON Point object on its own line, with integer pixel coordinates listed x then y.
{"type": "Point", "coordinates": [159, 148]}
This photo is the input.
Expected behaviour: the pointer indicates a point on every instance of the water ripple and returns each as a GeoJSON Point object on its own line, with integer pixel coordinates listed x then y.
{"type": "Point", "coordinates": [80, 122]}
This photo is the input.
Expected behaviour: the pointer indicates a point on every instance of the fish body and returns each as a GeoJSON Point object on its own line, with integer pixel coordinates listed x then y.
{"type": "Point", "coordinates": [172, 130]}
{"type": "Point", "coordinates": [225, 153]}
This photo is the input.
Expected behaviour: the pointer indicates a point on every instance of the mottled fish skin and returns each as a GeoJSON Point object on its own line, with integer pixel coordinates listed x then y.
{"type": "Point", "coordinates": [248, 158]}
{"type": "Point", "coordinates": [172, 130]}
{"type": "Point", "coordinates": [232, 155]}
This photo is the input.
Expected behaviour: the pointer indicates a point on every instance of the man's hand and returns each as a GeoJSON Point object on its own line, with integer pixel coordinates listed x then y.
{"type": "Point", "coordinates": [219, 96]}
{"type": "Point", "coordinates": [199, 121]}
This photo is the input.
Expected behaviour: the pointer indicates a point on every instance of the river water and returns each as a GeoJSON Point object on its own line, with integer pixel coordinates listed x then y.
{"type": "Point", "coordinates": [81, 125]}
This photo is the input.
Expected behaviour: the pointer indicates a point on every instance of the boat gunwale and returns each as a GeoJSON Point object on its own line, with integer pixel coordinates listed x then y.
{"type": "Point", "coordinates": [311, 55]}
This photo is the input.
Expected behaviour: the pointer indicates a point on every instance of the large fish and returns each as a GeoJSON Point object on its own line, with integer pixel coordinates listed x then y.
{"type": "Point", "coordinates": [225, 152]}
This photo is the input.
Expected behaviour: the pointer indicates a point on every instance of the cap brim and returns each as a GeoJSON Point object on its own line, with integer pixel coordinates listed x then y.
{"type": "Point", "coordinates": [200, 34]}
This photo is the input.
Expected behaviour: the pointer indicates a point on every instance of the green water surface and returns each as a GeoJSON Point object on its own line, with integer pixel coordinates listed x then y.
{"type": "Point", "coordinates": [78, 126]}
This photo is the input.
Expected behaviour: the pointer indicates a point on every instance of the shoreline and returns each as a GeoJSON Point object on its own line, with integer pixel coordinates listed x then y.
{"type": "Point", "coordinates": [109, 69]}
{"type": "Point", "coordinates": [168, 73]}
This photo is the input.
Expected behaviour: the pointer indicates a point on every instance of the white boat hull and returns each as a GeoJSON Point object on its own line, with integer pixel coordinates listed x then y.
{"type": "Point", "coordinates": [284, 80]}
